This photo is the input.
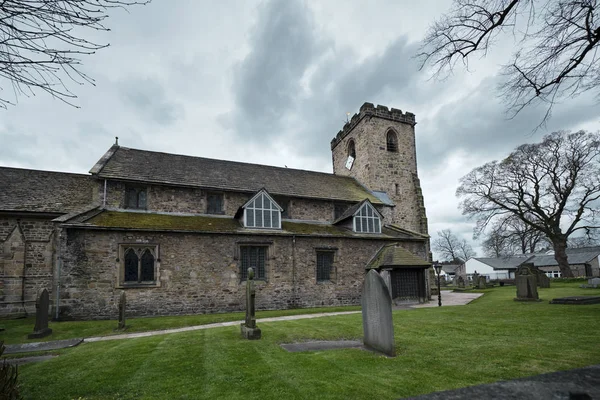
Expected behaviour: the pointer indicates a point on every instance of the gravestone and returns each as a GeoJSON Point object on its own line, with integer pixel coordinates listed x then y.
{"type": "Point", "coordinates": [542, 279]}
{"type": "Point", "coordinates": [248, 328]}
{"type": "Point", "coordinates": [376, 305]}
{"type": "Point", "coordinates": [594, 282]}
{"type": "Point", "coordinates": [481, 282]}
{"type": "Point", "coordinates": [122, 301]}
{"type": "Point", "coordinates": [461, 282]}
{"type": "Point", "coordinates": [41, 317]}
{"type": "Point", "coordinates": [475, 278]}
{"type": "Point", "coordinates": [526, 281]}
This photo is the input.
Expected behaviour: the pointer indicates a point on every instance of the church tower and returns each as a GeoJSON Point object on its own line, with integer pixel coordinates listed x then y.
{"type": "Point", "coordinates": [377, 147]}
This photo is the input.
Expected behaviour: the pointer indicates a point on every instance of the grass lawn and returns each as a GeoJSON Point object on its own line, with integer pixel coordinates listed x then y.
{"type": "Point", "coordinates": [18, 329]}
{"type": "Point", "coordinates": [491, 339]}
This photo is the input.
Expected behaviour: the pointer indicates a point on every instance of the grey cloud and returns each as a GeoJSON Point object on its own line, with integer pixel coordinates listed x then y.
{"type": "Point", "coordinates": [267, 82]}
{"type": "Point", "coordinates": [14, 146]}
{"type": "Point", "coordinates": [477, 124]}
{"type": "Point", "coordinates": [150, 99]}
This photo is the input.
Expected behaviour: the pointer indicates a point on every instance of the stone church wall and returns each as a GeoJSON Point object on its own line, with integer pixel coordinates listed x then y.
{"type": "Point", "coordinates": [200, 273]}
{"type": "Point", "coordinates": [190, 200]}
{"type": "Point", "coordinates": [26, 262]}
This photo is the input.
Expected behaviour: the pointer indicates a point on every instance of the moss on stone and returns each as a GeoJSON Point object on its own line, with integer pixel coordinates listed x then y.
{"type": "Point", "coordinates": [201, 223]}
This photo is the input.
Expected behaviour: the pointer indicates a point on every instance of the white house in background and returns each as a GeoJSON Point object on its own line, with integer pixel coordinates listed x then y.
{"type": "Point", "coordinates": [495, 268]}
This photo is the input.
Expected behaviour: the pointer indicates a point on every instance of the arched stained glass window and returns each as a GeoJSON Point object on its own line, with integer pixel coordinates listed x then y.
{"type": "Point", "coordinates": [147, 266]}
{"type": "Point", "coordinates": [131, 266]}
{"type": "Point", "coordinates": [352, 149]}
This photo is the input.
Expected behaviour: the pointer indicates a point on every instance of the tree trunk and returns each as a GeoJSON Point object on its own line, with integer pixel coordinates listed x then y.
{"type": "Point", "coordinates": [560, 255]}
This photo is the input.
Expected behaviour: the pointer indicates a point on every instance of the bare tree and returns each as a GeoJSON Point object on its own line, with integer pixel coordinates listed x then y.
{"type": "Point", "coordinates": [591, 237]}
{"type": "Point", "coordinates": [41, 43]}
{"type": "Point", "coordinates": [451, 248]}
{"type": "Point", "coordinates": [509, 235]}
{"type": "Point", "coordinates": [552, 186]}
{"type": "Point", "coordinates": [556, 46]}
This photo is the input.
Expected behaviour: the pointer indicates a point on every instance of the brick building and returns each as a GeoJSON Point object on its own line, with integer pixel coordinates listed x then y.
{"type": "Point", "coordinates": [178, 233]}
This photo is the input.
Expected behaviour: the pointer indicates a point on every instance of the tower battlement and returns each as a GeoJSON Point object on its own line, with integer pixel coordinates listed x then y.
{"type": "Point", "coordinates": [369, 110]}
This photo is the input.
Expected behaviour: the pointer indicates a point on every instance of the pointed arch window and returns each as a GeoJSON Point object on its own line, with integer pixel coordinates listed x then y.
{"type": "Point", "coordinates": [391, 141]}
{"type": "Point", "coordinates": [262, 212]}
{"type": "Point", "coordinates": [367, 219]}
{"type": "Point", "coordinates": [352, 149]}
{"type": "Point", "coordinates": [139, 265]}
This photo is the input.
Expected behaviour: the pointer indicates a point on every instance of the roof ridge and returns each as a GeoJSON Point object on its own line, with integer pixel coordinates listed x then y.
{"type": "Point", "coordinates": [241, 163]}
{"type": "Point", "coordinates": [46, 171]}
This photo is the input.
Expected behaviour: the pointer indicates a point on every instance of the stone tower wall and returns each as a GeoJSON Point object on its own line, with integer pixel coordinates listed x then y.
{"type": "Point", "coordinates": [378, 169]}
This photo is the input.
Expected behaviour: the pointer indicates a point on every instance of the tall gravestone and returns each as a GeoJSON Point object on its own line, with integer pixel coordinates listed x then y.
{"type": "Point", "coordinates": [475, 278]}
{"type": "Point", "coordinates": [122, 302]}
{"type": "Point", "coordinates": [41, 317]}
{"type": "Point", "coordinates": [376, 304]}
{"type": "Point", "coordinates": [526, 281]}
{"type": "Point", "coordinates": [460, 282]}
{"type": "Point", "coordinates": [481, 282]}
{"type": "Point", "coordinates": [249, 328]}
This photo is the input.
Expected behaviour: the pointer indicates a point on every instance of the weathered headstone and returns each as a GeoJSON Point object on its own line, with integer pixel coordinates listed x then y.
{"type": "Point", "coordinates": [481, 282]}
{"type": "Point", "coordinates": [594, 282]}
{"type": "Point", "coordinates": [526, 281]}
{"type": "Point", "coordinates": [122, 302]}
{"type": "Point", "coordinates": [248, 328]}
{"type": "Point", "coordinates": [41, 317]}
{"type": "Point", "coordinates": [475, 278]}
{"type": "Point", "coordinates": [542, 279]}
{"type": "Point", "coordinates": [461, 282]}
{"type": "Point", "coordinates": [376, 305]}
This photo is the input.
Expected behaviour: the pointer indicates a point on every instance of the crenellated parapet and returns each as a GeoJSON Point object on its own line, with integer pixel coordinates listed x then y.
{"type": "Point", "coordinates": [369, 110]}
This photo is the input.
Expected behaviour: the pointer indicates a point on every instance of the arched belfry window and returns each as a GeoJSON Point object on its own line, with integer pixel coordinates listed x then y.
{"type": "Point", "coordinates": [392, 141]}
{"type": "Point", "coordinates": [351, 149]}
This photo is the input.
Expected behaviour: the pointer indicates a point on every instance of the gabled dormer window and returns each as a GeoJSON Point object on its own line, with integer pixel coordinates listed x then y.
{"type": "Point", "coordinates": [262, 212]}
{"type": "Point", "coordinates": [367, 219]}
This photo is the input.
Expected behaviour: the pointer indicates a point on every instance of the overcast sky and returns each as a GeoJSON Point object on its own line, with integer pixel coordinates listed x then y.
{"type": "Point", "coordinates": [270, 82]}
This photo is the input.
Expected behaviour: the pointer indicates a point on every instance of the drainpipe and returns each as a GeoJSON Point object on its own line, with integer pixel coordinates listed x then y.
{"type": "Point", "coordinates": [294, 271]}
{"type": "Point", "coordinates": [104, 198]}
{"type": "Point", "coordinates": [58, 268]}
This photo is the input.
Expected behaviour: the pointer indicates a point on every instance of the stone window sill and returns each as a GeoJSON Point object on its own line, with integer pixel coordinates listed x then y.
{"type": "Point", "coordinates": [138, 285]}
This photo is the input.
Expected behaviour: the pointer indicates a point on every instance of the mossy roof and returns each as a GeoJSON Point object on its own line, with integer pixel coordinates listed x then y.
{"type": "Point", "coordinates": [392, 255]}
{"type": "Point", "coordinates": [211, 224]}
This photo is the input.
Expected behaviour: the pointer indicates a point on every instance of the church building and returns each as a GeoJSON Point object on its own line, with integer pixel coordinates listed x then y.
{"type": "Point", "coordinates": [178, 233]}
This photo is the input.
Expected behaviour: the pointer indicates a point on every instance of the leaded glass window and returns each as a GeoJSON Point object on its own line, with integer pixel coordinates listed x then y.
{"type": "Point", "coordinates": [367, 220]}
{"type": "Point", "coordinates": [324, 265]}
{"type": "Point", "coordinates": [135, 198]}
{"type": "Point", "coordinates": [262, 212]}
{"type": "Point", "coordinates": [214, 203]}
{"type": "Point", "coordinates": [253, 257]}
{"type": "Point", "coordinates": [392, 141]}
{"type": "Point", "coordinates": [139, 264]}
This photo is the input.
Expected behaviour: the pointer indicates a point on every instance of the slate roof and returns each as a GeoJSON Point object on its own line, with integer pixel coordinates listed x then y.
{"type": "Point", "coordinates": [505, 262]}
{"type": "Point", "coordinates": [163, 168]}
{"type": "Point", "coordinates": [26, 190]}
{"type": "Point", "coordinates": [391, 255]}
{"type": "Point", "coordinates": [450, 268]}
{"type": "Point", "coordinates": [575, 256]}
{"type": "Point", "coordinates": [109, 219]}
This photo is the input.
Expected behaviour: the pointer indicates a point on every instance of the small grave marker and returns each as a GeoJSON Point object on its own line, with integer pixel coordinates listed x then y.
{"type": "Point", "coordinates": [376, 304]}
{"type": "Point", "coordinates": [481, 282]}
{"type": "Point", "coordinates": [122, 302]}
{"type": "Point", "coordinates": [41, 317]}
{"type": "Point", "coordinates": [460, 282]}
{"type": "Point", "coordinates": [248, 328]}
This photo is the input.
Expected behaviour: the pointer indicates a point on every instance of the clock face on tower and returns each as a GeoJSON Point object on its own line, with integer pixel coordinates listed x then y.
{"type": "Point", "coordinates": [349, 162]}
